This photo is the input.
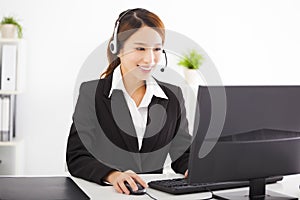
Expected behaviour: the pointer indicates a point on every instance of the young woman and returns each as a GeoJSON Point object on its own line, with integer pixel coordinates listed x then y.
{"type": "Point", "coordinates": [127, 122]}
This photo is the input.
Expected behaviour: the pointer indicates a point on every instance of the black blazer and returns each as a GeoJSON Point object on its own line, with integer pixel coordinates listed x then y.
{"type": "Point", "coordinates": [103, 138]}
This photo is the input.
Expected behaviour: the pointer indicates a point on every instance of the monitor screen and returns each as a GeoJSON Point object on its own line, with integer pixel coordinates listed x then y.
{"type": "Point", "coordinates": [259, 138]}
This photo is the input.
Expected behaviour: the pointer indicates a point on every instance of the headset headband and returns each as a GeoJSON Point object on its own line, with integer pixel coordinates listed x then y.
{"type": "Point", "coordinates": [113, 44]}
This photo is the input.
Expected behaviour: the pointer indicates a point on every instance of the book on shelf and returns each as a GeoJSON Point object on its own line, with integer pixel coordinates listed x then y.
{"type": "Point", "coordinates": [8, 67]}
{"type": "Point", "coordinates": [6, 118]}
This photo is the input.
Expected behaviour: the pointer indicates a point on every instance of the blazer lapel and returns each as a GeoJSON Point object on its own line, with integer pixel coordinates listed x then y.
{"type": "Point", "coordinates": [156, 122]}
{"type": "Point", "coordinates": [121, 121]}
{"type": "Point", "coordinates": [118, 110]}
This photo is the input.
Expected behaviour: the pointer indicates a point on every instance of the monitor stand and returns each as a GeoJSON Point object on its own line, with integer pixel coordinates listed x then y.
{"type": "Point", "coordinates": [257, 191]}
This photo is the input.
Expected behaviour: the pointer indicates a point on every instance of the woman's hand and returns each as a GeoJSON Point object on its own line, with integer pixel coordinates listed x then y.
{"type": "Point", "coordinates": [117, 179]}
{"type": "Point", "coordinates": [186, 173]}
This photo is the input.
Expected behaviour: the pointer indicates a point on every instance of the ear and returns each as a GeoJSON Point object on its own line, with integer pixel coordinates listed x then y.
{"type": "Point", "coordinates": [121, 53]}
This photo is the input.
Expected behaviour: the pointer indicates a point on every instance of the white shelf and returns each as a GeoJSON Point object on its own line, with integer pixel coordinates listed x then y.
{"type": "Point", "coordinates": [7, 144]}
{"type": "Point", "coordinates": [10, 92]}
{"type": "Point", "coordinates": [12, 157]}
{"type": "Point", "coordinates": [10, 40]}
{"type": "Point", "coordinates": [12, 152]}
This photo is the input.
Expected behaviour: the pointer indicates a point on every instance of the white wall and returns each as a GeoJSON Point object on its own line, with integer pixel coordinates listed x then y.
{"type": "Point", "coordinates": [250, 42]}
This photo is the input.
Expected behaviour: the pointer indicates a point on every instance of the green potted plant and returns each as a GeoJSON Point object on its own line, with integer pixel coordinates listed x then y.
{"type": "Point", "coordinates": [9, 26]}
{"type": "Point", "coordinates": [191, 61]}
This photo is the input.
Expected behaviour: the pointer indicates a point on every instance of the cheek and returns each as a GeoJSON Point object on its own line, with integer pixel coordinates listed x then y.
{"type": "Point", "coordinates": [157, 58]}
{"type": "Point", "coordinates": [132, 58]}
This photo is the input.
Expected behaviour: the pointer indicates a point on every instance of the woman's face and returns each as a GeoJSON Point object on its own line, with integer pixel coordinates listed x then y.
{"type": "Point", "coordinates": [141, 53]}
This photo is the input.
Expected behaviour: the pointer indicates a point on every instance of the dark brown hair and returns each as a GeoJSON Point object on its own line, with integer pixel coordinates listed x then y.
{"type": "Point", "coordinates": [128, 25]}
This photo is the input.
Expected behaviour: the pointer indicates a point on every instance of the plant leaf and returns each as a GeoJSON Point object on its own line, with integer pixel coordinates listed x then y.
{"type": "Point", "coordinates": [11, 20]}
{"type": "Point", "coordinates": [191, 60]}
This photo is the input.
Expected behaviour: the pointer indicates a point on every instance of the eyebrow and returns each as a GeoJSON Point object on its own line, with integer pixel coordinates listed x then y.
{"type": "Point", "coordinates": [141, 43]}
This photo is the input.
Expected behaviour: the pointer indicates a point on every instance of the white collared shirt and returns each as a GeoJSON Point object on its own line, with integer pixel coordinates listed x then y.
{"type": "Point", "coordinates": [138, 113]}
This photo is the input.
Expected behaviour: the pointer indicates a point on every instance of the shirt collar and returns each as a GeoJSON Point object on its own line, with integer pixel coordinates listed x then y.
{"type": "Point", "coordinates": [153, 89]}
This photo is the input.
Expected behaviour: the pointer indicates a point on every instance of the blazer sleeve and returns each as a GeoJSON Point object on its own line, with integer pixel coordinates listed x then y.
{"type": "Point", "coordinates": [81, 163]}
{"type": "Point", "coordinates": [180, 147]}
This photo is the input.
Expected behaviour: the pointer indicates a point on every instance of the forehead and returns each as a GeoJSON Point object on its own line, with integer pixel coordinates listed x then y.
{"type": "Point", "coordinates": [145, 35]}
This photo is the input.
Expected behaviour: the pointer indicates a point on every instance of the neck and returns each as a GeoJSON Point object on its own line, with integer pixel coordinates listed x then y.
{"type": "Point", "coordinates": [133, 85]}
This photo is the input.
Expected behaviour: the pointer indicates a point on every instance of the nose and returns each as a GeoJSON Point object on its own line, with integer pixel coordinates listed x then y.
{"type": "Point", "coordinates": [149, 56]}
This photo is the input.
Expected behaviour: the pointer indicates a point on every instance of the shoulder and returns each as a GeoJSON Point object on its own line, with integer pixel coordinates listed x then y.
{"type": "Point", "coordinates": [170, 90]}
{"type": "Point", "coordinates": [88, 88]}
{"type": "Point", "coordinates": [89, 84]}
{"type": "Point", "coordinates": [86, 91]}
{"type": "Point", "coordinates": [95, 85]}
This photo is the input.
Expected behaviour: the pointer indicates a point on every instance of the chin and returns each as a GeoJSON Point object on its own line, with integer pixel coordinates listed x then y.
{"type": "Point", "coordinates": [143, 76]}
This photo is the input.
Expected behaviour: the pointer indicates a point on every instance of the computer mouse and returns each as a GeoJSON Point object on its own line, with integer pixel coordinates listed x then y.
{"type": "Point", "coordinates": [140, 191]}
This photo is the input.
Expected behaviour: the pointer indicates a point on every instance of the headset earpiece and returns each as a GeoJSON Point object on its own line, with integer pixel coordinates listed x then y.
{"type": "Point", "coordinates": [113, 45]}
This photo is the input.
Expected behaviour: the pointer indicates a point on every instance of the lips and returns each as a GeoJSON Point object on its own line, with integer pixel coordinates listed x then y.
{"type": "Point", "coordinates": [146, 68]}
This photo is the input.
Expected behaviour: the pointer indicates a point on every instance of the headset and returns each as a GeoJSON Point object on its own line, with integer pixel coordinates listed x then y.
{"type": "Point", "coordinates": [166, 64]}
{"type": "Point", "coordinates": [113, 45]}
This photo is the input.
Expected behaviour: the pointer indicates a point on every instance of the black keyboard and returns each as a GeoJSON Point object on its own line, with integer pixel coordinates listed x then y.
{"type": "Point", "coordinates": [181, 185]}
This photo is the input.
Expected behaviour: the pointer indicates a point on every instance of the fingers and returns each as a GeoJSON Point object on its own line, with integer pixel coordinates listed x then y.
{"type": "Point", "coordinates": [131, 178]}
{"type": "Point", "coordinates": [121, 178]}
{"type": "Point", "coordinates": [129, 172]}
{"type": "Point", "coordinates": [123, 187]}
{"type": "Point", "coordinates": [140, 180]}
{"type": "Point", "coordinates": [132, 184]}
{"type": "Point", "coordinates": [186, 173]}
{"type": "Point", "coordinates": [137, 178]}
{"type": "Point", "coordinates": [118, 188]}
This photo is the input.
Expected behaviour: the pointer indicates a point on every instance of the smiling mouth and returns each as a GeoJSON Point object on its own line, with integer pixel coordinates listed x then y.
{"type": "Point", "coordinates": [145, 68]}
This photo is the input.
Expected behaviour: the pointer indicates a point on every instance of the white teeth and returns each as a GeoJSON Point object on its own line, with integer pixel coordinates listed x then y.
{"type": "Point", "coordinates": [145, 68]}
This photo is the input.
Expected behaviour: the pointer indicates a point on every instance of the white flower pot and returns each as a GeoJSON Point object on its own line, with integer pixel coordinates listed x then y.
{"type": "Point", "coordinates": [8, 31]}
{"type": "Point", "coordinates": [192, 76]}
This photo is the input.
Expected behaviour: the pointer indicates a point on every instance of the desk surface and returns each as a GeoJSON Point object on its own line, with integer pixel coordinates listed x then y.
{"type": "Point", "coordinates": [288, 186]}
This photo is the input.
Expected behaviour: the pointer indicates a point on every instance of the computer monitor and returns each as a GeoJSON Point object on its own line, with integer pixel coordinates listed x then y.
{"type": "Point", "coordinates": [260, 137]}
